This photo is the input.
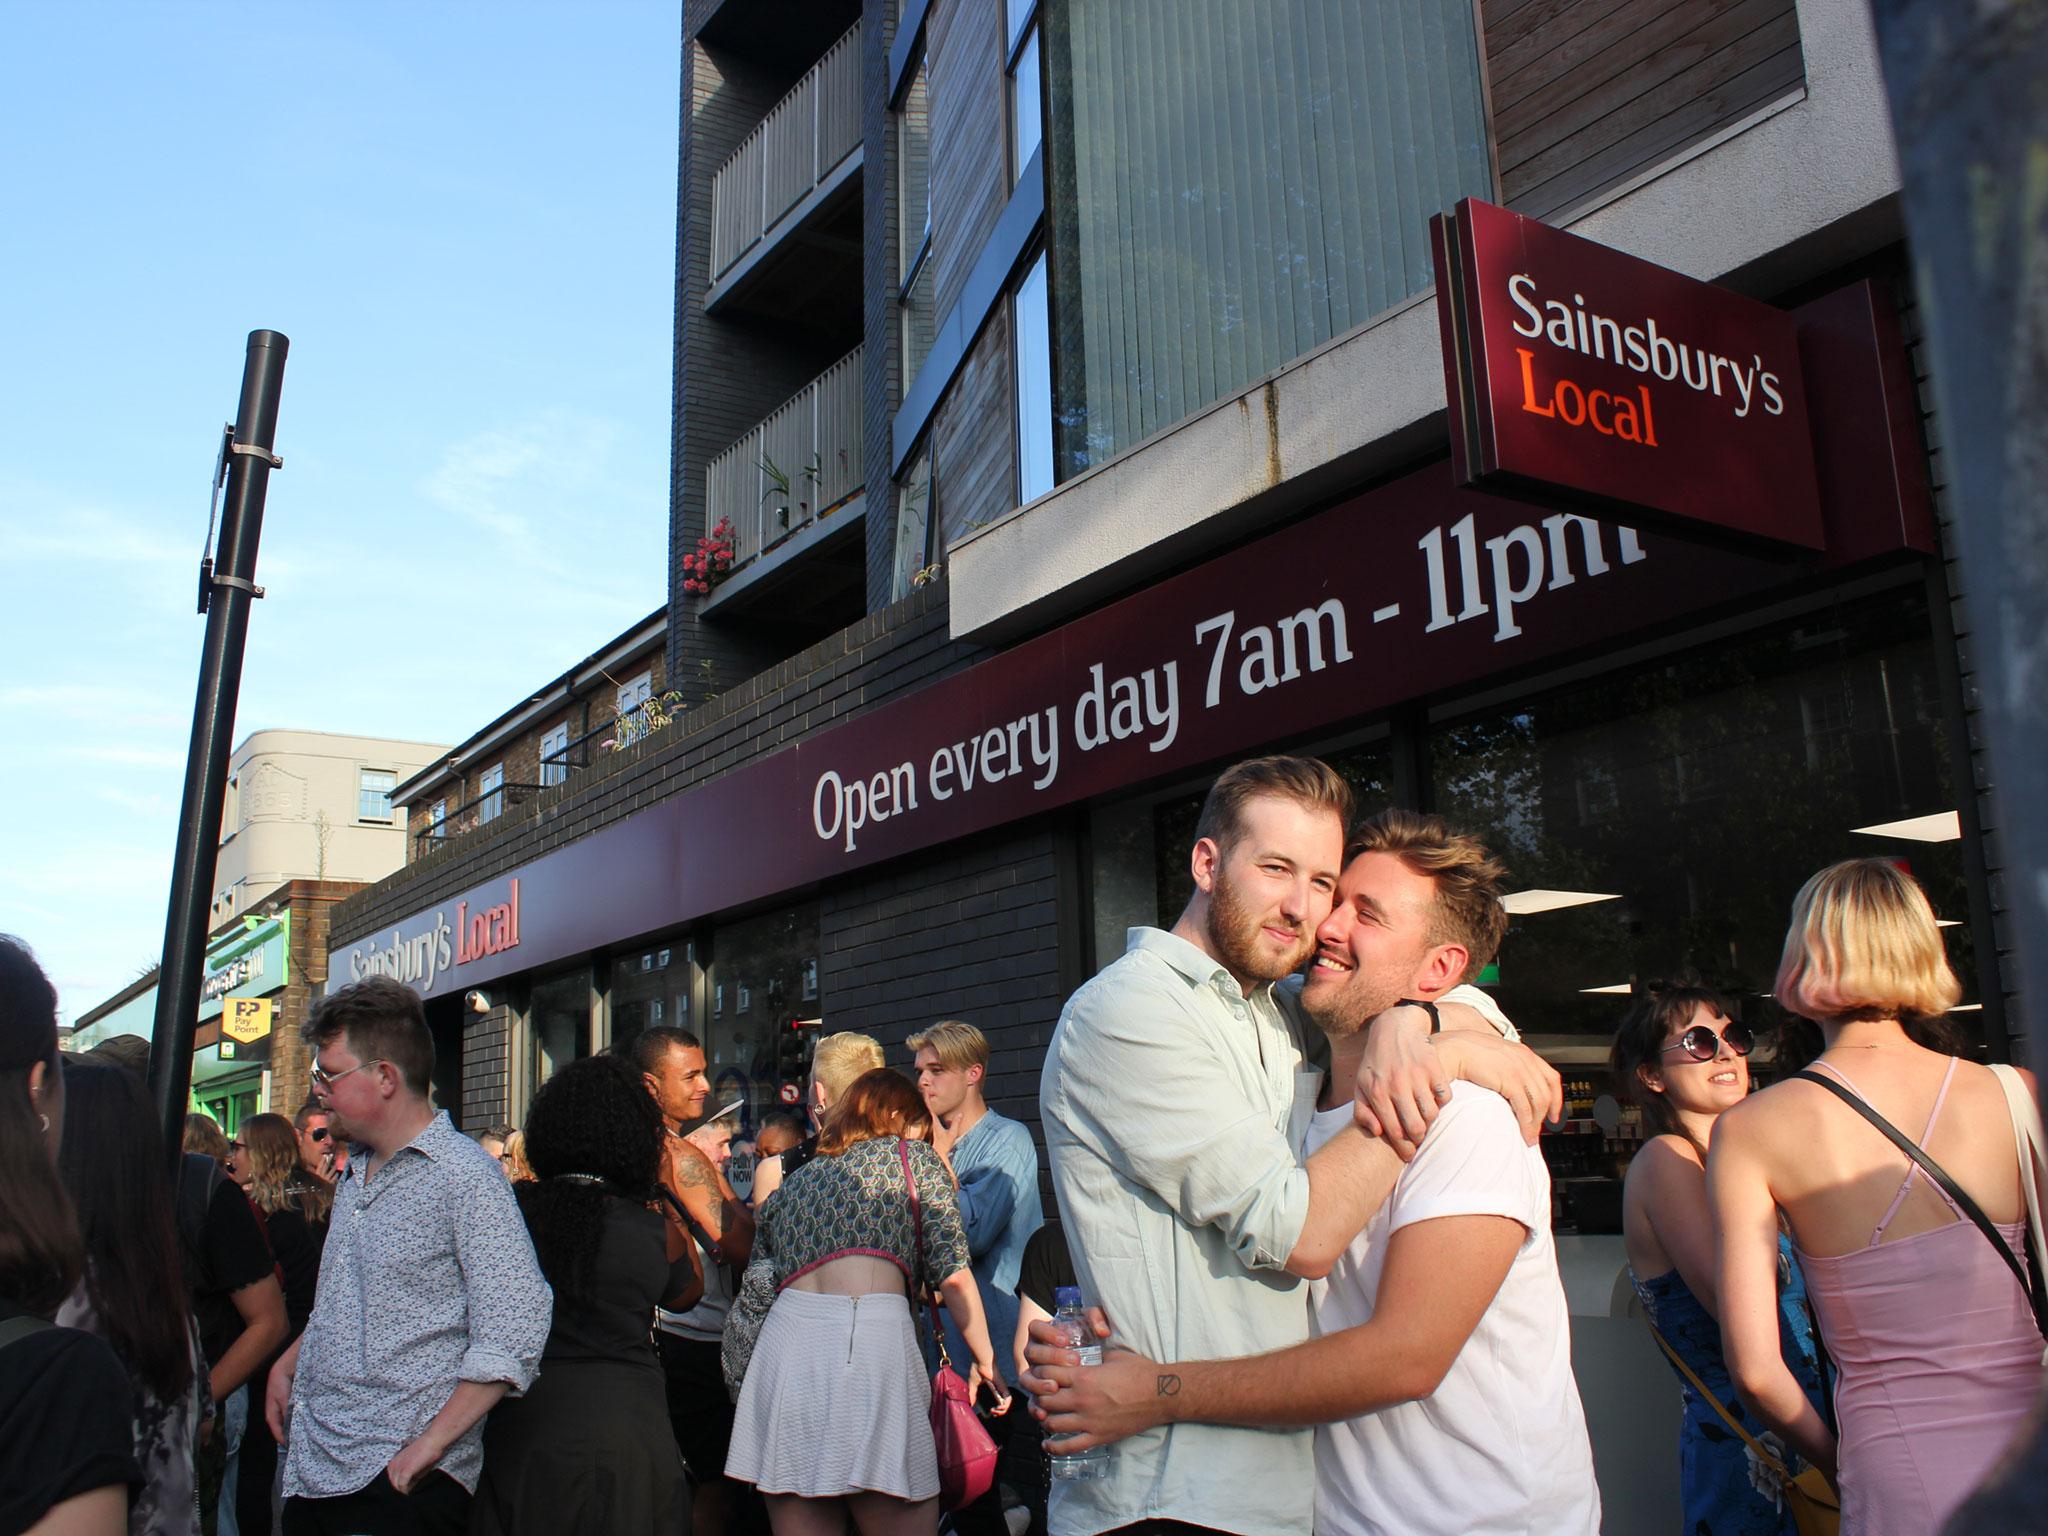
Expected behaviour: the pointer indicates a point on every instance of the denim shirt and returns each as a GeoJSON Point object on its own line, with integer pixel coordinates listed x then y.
{"type": "Point", "coordinates": [428, 1279]}
{"type": "Point", "coordinates": [998, 1171]}
{"type": "Point", "coordinates": [1174, 1108]}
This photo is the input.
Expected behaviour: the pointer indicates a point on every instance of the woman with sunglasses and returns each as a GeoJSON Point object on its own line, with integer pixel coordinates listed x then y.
{"type": "Point", "coordinates": [1934, 1339]}
{"type": "Point", "coordinates": [1681, 1058]}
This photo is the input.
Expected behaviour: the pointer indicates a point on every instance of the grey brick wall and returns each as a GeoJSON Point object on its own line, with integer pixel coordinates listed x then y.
{"type": "Point", "coordinates": [487, 1068]}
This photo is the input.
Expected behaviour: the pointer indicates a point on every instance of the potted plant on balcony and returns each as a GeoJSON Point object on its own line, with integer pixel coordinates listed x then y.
{"type": "Point", "coordinates": [711, 563]}
{"type": "Point", "coordinates": [790, 512]}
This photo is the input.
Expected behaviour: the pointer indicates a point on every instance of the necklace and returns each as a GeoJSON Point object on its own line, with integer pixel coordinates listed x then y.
{"type": "Point", "coordinates": [581, 1178]}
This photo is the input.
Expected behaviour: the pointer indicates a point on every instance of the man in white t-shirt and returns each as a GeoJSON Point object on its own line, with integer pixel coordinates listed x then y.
{"type": "Point", "coordinates": [1439, 1371]}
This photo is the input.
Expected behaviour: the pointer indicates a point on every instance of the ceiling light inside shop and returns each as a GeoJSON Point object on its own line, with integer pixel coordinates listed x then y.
{"type": "Point", "coordinates": [1967, 1008]}
{"type": "Point", "coordinates": [1941, 827]}
{"type": "Point", "coordinates": [1523, 903]}
{"type": "Point", "coordinates": [1947, 922]}
{"type": "Point", "coordinates": [1618, 989]}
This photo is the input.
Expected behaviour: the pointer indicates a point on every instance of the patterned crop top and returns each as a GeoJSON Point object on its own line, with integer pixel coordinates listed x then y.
{"type": "Point", "coordinates": [856, 1203]}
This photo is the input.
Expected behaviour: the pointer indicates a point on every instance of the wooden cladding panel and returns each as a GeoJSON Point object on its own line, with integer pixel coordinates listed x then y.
{"type": "Point", "coordinates": [1587, 93]}
{"type": "Point", "coordinates": [970, 149]}
{"type": "Point", "coordinates": [974, 473]}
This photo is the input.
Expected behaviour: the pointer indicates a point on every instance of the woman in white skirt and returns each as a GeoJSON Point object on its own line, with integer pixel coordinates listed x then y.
{"type": "Point", "coordinates": [834, 1415]}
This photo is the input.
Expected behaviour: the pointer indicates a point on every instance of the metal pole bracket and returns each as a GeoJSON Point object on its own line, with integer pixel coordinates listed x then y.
{"type": "Point", "coordinates": [244, 583]}
{"type": "Point", "coordinates": [275, 461]}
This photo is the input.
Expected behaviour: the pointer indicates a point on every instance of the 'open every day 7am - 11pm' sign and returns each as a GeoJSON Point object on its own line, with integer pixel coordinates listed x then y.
{"type": "Point", "coordinates": [1572, 369]}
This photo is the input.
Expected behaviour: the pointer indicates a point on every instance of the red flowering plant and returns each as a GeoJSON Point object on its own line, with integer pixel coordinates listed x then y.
{"type": "Point", "coordinates": [712, 561]}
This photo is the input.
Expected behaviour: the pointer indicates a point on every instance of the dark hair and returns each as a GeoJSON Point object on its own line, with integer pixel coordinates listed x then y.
{"type": "Point", "coordinates": [378, 1020]}
{"type": "Point", "coordinates": [130, 1051]}
{"type": "Point", "coordinates": [1466, 907]}
{"type": "Point", "coordinates": [650, 1048]}
{"type": "Point", "coordinates": [1659, 1008]}
{"type": "Point", "coordinates": [1307, 781]}
{"type": "Point", "coordinates": [113, 1168]}
{"type": "Point", "coordinates": [781, 1120]}
{"type": "Point", "coordinates": [40, 1251]}
{"type": "Point", "coordinates": [594, 1118]}
{"type": "Point", "coordinates": [307, 1111]}
{"type": "Point", "coordinates": [879, 1103]}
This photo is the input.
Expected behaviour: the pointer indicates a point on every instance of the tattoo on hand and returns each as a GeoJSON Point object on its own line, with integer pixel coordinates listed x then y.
{"type": "Point", "coordinates": [1169, 1386]}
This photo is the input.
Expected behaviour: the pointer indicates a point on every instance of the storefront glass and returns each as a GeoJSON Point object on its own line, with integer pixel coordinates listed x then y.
{"type": "Point", "coordinates": [652, 987]}
{"type": "Point", "coordinates": [764, 1012]}
{"type": "Point", "coordinates": [558, 1023]}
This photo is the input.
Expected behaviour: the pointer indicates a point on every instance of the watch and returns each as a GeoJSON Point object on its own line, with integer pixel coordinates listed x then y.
{"type": "Point", "coordinates": [1436, 1023]}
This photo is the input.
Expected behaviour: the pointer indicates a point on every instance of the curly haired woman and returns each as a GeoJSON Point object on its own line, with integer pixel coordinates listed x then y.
{"type": "Point", "coordinates": [588, 1448]}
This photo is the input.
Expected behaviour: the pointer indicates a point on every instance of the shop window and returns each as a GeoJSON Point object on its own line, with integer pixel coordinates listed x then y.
{"type": "Point", "coordinates": [558, 1020]}
{"type": "Point", "coordinates": [1740, 771]}
{"type": "Point", "coordinates": [651, 987]}
{"type": "Point", "coordinates": [758, 1044]}
{"type": "Point", "coordinates": [373, 794]}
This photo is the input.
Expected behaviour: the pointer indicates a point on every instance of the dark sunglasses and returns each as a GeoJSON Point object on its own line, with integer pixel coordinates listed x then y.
{"type": "Point", "coordinates": [318, 1133]}
{"type": "Point", "coordinates": [1703, 1043]}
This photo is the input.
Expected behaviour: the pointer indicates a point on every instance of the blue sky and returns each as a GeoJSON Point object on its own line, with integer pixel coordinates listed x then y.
{"type": "Point", "coordinates": [463, 216]}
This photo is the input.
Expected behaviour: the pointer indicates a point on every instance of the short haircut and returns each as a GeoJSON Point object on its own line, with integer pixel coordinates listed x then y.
{"type": "Point", "coordinates": [957, 1044]}
{"type": "Point", "coordinates": [379, 1020]}
{"type": "Point", "coordinates": [306, 1112]}
{"type": "Point", "coordinates": [1863, 944]}
{"type": "Point", "coordinates": [650, 1047]}
{"type": "Point", "coordinates": [130, 1051]}
{"type": "Point", "coordinates": [879, 1103]}
{"type": "Point", "coordinates": [1468, 878]}
{"type": "Point", "coordinates": [1659, 1008]}
{"type": "Point", "coordinates": [1307, 781]}
{"type": "Point", "coordinates": [839, 1059]}
{"type": "Point", "coordinates": [498, 1133]}
{"type": "Point", "coordinates": [781, 1120]}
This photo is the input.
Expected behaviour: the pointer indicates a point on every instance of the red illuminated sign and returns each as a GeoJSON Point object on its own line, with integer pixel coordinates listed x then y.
{"type": "Point", "coordinates": [1572, 369]}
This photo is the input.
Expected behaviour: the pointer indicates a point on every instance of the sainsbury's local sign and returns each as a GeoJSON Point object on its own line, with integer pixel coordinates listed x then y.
{"type": "Point", "coordinates": [1572, 369]}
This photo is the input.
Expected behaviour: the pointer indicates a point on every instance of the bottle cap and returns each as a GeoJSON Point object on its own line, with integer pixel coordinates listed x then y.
{"type": "Point", "coordinates": [1066, 1296]}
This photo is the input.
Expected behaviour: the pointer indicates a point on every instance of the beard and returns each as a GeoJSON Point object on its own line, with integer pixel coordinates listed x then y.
{"type": "Point", "coordinates": [1342, 1007]}
{"type": "Point", "coordinates": [1236, 937]}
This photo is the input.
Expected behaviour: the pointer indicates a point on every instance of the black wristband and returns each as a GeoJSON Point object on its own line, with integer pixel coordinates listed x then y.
{"type": "Point", "coordinates": [1436, 1023]}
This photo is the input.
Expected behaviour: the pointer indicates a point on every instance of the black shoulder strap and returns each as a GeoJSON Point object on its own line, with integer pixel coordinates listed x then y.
{"type": "Point", "coordinates": [1898, 1138]}
{"type": "Point", "coordinates": [15, 1329]}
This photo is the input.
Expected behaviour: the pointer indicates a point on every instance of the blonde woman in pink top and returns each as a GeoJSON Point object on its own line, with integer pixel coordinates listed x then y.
{"type": "Point", "coordinates": [1933, 1338]}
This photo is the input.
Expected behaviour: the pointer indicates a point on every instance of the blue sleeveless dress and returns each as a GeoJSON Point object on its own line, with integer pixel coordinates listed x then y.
{"type": "Point", "coordinates": [1718, 1495]}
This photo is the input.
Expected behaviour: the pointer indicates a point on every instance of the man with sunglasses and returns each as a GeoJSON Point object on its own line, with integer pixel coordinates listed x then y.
{"type": "Point", "coordinates": [316, 1141]}
{"type": "Point", "coordinates": [431, 1306]}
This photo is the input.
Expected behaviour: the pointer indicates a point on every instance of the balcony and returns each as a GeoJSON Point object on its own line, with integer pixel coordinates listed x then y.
{"type": "Point", "coordinates": [471, 814]}
{"type": "Point", "coordinates": [791, 489]}
{"type": "Point", "coordinates": [785, 209]}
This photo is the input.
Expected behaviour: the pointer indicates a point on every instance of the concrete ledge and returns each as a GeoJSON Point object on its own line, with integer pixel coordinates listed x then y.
{"type": "Point", "coordinates": [1798, 191]}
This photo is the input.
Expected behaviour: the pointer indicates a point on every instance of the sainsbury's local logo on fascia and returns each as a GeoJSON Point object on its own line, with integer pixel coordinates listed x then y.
{"type": "Point", "coordinates": [1642, 347]}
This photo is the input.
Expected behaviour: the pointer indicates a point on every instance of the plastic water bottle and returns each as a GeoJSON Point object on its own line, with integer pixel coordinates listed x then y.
{"type": "Point", "coordinates": [1072, 1321]}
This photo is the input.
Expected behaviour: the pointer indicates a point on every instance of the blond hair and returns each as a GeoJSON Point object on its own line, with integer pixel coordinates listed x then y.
{"type": "Point", "coordinates": [1309, 782]}
{"type": "Point", "coordinates": [1466, 909]}
{"type": "Point", "coordinates": [1863, 945]}
{"type": "Point", "coordinates": [957, 1044]}
{"type": "Point", "coordinates": [841, 1058]}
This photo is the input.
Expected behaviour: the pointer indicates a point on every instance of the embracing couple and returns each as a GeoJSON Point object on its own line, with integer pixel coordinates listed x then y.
{"type": "Point", "coordinates": [1209, 1158]}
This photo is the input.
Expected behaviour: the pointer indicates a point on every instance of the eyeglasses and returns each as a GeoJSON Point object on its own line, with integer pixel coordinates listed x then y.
{"type": "Point", "coordinates": [322, 1078]}
{"type": "Point", "coordinates": [1703, 1043]}
{"type": "Point", "coordinates": [319, 1132]}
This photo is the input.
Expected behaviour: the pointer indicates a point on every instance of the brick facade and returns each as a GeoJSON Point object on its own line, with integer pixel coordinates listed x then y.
{"type": "Point", "coordinates": [487, 1068]}
{"type": "Point", "coordinates": [312, 904]}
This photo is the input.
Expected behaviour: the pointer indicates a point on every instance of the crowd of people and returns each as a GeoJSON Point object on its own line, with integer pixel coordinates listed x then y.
{"type": "Point", "coordinates": [1295, 1155]}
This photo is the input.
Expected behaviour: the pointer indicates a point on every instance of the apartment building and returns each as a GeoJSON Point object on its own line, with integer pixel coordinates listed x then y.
{"type": "Point", "coordinates": [1062, 411]}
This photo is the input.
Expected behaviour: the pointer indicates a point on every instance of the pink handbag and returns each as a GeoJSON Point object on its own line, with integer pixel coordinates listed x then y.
{"type": "Point", "coordinates": [967, 1455]}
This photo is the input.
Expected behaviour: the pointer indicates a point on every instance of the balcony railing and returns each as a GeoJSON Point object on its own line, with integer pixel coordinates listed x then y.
{"type": "Point", "coordinates": [616, 734]}
{"type": "Point", "coordinates": [797, 145]}
{"type": "Point", "coordinates": [471, 814]}
{"type": "Point", "coordinates": [796, 467]}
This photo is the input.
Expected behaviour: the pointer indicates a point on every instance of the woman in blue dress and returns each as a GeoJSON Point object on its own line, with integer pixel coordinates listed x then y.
{"type": "Point", "coordinates": [1684, 1061]}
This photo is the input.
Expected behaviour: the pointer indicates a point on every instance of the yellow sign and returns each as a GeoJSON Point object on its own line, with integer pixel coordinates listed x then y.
{"type": "Point", "coordinates": [247, 1019]}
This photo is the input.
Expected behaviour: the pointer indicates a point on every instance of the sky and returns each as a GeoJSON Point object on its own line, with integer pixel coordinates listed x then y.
{"type": "Point", "coordinates": [462, 215]}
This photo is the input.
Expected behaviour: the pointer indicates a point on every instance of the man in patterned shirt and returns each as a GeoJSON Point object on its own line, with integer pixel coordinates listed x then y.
{"type": "Point", "coordinates": [431, 1306]}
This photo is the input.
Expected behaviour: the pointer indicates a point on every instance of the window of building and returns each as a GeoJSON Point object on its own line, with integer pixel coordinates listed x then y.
{"type": "Point", "coordinates": [554, 756]}
{"type": "Point", "coordinates": [437, 819]}
{"type": "Point", "coordinates": [632, 700]}
{"type": "Point", "coordinates": [914, 223]}
{"type": "Point", "coordinates": [373, 794]}
{"type": "Point", "coordinates": [1271, 193]}
{"type": "Point", "coordinates": [1034, 385]}
{"type": "Point", "coordinates": [914, 521]}
{"type": "Point", "coordinates": [653, 986]}
{"type": "Point", "coordinates": [1026, 106]}
{"type": "Point", "coordinates": [491, 793]}
{"type": "Point", "coordinates": [558, 1023]}
{"type": "Point", "coordinates": [758, 1046]}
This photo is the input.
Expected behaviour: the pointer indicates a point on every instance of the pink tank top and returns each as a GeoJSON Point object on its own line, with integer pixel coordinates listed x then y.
{"type": "Point", "coordinates": [1937, 1358]}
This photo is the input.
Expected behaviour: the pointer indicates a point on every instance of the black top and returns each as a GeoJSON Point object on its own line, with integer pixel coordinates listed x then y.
{"type": "Point", "coordinates": [297, 1243]}
{"type": "Point", "coordinates": [630, 1275]}
{"type": "Point", "coordinates": [798, 1155]}
{"type": "Point", "coordinates": [66, 1422]}
{"type": "Point", "coordinates": [1046, 1266]}
{"type": "Point", "coordinates": [234, 1254]}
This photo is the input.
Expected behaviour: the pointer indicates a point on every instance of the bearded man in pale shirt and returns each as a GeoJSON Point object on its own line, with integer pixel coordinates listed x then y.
{"type": "Point", "coordinates": [1177, 1094]}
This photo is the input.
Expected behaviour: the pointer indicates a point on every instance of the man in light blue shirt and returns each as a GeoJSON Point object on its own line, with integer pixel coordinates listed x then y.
{"type": "Point", "coordinates": [997, 1166]}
